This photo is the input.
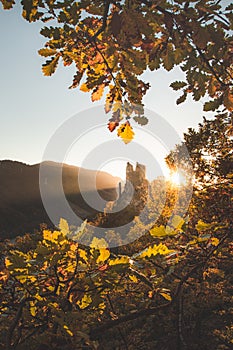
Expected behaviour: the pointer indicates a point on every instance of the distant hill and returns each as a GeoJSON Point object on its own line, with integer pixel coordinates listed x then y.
{"type": "Point", "coordinates": [21, 207]}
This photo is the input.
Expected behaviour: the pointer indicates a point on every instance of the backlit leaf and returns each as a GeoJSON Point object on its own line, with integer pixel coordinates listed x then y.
{"type": "Point", "coordinates": [214, 241]}
{"type": "Point", "coordinates": [155, 250]}
{"type": "Point", "coordinates": [166, 296]}
{"type": "Point", "coordinates": [63, 226]}
{"type": "Point", "coordinates": [133, 278]}
{"type": "Point", "coordinates": [101, 245]}
{"type": "Point", "coordinates": [85, 301]}
{"type": "Point", "coordinates": [121, 260]}
{"type": "Point", "coordinates": [68, 330]}
{"type": "Point", "coordinates": [177, 222]}
{"type": "Point", "coordinates": [125, 131]}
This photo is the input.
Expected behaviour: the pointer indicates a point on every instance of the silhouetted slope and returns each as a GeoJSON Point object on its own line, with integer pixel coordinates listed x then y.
{"type": "Point", "coordinates": [21, 207]}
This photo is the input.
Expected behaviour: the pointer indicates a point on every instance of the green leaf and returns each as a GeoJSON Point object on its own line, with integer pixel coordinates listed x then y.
{"type": "Point", "coordinates": [168, 61]}
{"type": "Point", "coordinates": [141, 120]}
{"type": "Point", "coordinates": [177, 85]}
{"type": "Point", "coordinates": [212, 105]}
{"type": "Point", "coordinates": [50, 66]}
{"type": "Point", "coordinates": [47, 32]}
{"type": "Point", "coordinates": [181, 99]}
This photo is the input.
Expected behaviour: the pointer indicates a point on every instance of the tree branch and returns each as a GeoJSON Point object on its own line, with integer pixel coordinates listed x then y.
{"type": "Point", "coordinates": [15, 322]}
{"type": "Point", "coordinates": [105, 16]}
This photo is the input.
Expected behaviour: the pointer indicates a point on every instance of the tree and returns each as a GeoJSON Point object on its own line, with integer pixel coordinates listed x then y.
{"type": "Point", "coordinates": [111, 44]}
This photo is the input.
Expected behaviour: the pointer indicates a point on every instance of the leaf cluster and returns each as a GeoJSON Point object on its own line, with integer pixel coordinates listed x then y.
{"type": "Point", "coordinates": [111, 44]}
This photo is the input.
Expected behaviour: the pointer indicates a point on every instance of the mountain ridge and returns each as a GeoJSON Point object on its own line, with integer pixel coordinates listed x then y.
{"type": "Point", "coordinates": [21, 207]}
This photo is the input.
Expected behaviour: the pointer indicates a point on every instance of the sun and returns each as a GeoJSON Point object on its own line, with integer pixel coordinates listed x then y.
{"type": "Point", "coordinates": [177, 178]}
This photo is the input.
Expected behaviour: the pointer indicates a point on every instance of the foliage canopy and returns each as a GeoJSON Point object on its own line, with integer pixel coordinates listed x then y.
{"type": "Point", "coordinates": [112, 43]}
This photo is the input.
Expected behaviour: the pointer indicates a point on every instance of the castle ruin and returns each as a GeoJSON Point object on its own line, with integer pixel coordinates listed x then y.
{"type": "Point", "coordinates": [132, 198]}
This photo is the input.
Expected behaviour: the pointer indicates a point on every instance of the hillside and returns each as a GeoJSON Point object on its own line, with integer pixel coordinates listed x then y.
{"type": "Point", "coordinates": [21, 207]}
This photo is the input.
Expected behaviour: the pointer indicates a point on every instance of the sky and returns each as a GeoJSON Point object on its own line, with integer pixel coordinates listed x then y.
{"type": "Point", "coordinates": [33, 107]}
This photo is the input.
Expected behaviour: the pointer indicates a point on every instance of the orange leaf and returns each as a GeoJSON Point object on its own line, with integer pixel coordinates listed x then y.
{"type": "Point", "coordinates": [112, 126]}
{"type": "Point", "coordinates": [97, 93]}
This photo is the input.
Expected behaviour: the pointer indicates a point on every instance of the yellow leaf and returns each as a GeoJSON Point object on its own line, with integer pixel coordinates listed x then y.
{"type": "Point", "coordinates": [8, 262]}
{"type": "Point", "coordinates": [63, 226]}
{"type": "Point", "coordinates": [50, 66]}
{"type": "Point", "coordinates": [125, 131]}
{"type": "Point", "coordinates": [51, 236]}
{"type": "Point", "coordinates": [166, 296]}
{"type": "Point", "coordinates": [38, 297]}
{"type": "Point", "coordinates": [158, 231]}
{"type": "Point", "coordinates": [177, 222]}
{"type": "Point", "coordinates": [83, 255]}
{"type": "Point", "coordinates": [104, 255]}
{"type": "Point", "coordinates": [32, 308]}
{"type": "Point", "coordinates": [202, 226]}
{"type": "Point", "coordinates": [68, 330]}
{"type": "Point", "coordinates": [133, 278]}
{"type": "Point", "coordinates": [47, 52]}
{"type": "Point", "coordinates": [150, 294]}
{"type": "Point", "coordinates": [214, 241]}
{"type": "Point", "coordinates": [85, 301]}
{"type": "Point", "coordinates": [51, 288]}
{"type": "Point", "coordinates": [155, 250]}
{"type": "Point", "coordinates": [122, 260]}
{"type": "Point", "coordinates": [101, 245]}
{"type": "Point", "coordinates": [117, 105]}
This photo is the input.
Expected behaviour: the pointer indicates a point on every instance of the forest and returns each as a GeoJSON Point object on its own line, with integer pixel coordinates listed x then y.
{"type": "Point", "coordinates": [171, 287]}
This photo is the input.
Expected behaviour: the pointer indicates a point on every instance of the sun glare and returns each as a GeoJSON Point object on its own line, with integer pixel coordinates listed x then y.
{"type": "Point", "coordinates": [177, 178]}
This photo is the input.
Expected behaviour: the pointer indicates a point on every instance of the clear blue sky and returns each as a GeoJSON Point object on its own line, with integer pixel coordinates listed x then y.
{"type": "Point", "coordinates": [33, 106]}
